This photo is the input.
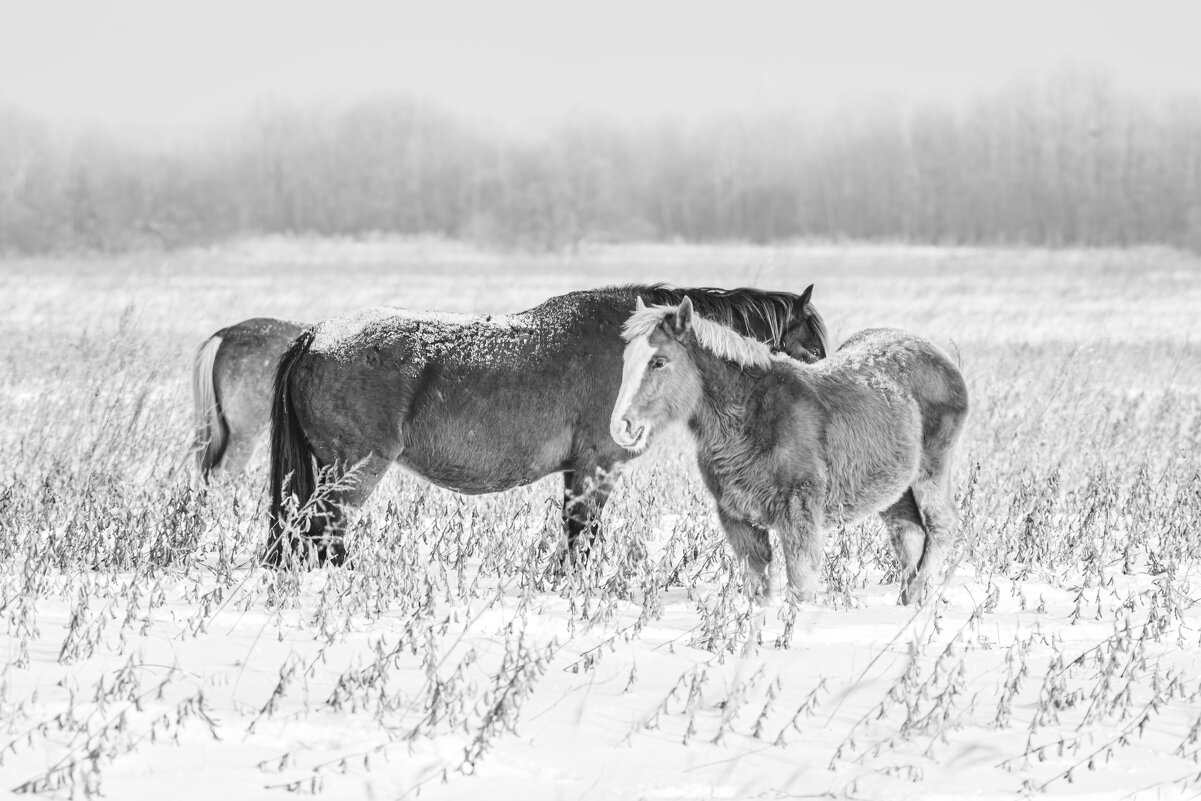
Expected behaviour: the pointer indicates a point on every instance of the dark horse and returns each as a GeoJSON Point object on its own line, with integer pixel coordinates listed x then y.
{"type": "Point", "coordinates": [477, 403]}
{"type": "Point", "coordinates": [231, 383]}
{"type": "Point", "coordinates": [797, 448]}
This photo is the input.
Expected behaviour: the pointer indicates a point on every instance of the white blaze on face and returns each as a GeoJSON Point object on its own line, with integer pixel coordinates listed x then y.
{"type": "Point", "coordinates": [634, 361]}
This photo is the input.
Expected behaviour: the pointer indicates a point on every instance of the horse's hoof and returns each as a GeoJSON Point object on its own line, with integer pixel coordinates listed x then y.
{"type": "Point", "coordinates": [913, 596]}
{"type": "Point", "coordinates": [796, 596]}
{"type": "Point", "coordinates": [770, 600]}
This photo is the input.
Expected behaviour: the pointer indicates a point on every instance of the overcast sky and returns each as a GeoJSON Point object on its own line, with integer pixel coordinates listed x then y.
{"type": "Point", "coordinates": [161, 62]}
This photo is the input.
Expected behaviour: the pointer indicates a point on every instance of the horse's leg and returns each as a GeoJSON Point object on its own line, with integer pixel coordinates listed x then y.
{"type": "Point", "coordinates": [238, 451]}
{"type": "Point", "coordinates": [329, 546]}
{"type": "Point", "coordinates": [752, 547]}
{"type": "Point", "coordinates": [802, 540]}
{"type": "Point", "coordinates": [586, 490]}
{"type": "Point", "coordinates": [572, 525]}
{"type": "Point", "coordinates": [938, 510]}
{"type": "Point", "coordinates": [907, 533]}
{"type": "Point", "coordinates": [932, 488]}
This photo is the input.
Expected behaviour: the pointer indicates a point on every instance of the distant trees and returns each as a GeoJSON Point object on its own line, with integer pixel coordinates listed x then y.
{"type": "Point", "coordinates": [1068, 159]}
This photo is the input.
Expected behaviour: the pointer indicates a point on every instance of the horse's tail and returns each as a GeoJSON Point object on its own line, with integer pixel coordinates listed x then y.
{"type": "Point", "coordinates": [212, 432]}
{"type": "Point", "coordinates": [292, 461]}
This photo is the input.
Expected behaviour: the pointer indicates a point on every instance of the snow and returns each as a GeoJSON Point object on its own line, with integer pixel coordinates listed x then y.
{"type": "Point", "coordinates": [318, 691]}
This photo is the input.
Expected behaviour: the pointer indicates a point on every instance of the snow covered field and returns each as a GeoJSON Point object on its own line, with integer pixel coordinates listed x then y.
{"type": "Point", "coordinates": [145, 658]}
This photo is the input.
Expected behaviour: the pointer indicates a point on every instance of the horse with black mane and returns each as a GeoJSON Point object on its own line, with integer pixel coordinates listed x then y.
{"type": "Point", "coordinates": [476, 403]}
{"type": "Point", "coordinates": [797, 448]}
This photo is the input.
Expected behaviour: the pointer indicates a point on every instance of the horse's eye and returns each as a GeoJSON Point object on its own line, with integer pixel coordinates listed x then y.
{"type": "Point", "coordinates": [657, 362]}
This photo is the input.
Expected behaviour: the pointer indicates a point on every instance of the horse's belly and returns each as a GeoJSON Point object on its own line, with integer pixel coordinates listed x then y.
{"type": "Point", "coordinates": [462, 480]}
{"type": "Point", "coordinates": [471, 460]}
{"type": "Point", "coordinates": [876, 497]}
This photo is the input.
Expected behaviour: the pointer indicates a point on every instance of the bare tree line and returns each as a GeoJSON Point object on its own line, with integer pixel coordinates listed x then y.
{"type": "Point", "coordinates": [1064, 159]}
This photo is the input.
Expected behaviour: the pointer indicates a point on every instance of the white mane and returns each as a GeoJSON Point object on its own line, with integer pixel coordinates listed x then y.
{"type": "Point", "coordinates": [720, 340]}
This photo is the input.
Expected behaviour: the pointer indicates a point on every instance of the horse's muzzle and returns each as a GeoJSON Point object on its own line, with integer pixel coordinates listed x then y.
{"type": "Point", "coordinates": [623, 434]}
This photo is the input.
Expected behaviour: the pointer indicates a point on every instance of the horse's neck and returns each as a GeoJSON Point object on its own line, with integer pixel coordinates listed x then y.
{"type": "Point", "coordinates": [727, 388]}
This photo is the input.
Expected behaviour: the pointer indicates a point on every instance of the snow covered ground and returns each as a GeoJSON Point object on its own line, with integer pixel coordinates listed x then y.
{"type": "Point", "coordinates": [145, 657]}
{"type": "Point", "coordinates": [474, 680]}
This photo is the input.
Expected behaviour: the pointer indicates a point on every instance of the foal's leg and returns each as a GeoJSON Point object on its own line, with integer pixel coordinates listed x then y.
{"type": "Point", "coordinates": [934, 500]}
{"type": "Point", "coordinates": [908, 535]}
{"type": "Point", "coordinates": [802, 540]}
{"type": "Point", "coordinates": [752, 547]}
{"type": "Point", "coordinates": [238, 450]}
{"type": "Point", "coordinates": [932, 489]}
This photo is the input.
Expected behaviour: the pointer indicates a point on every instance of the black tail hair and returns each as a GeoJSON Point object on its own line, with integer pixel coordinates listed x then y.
{"type": "Point", "coordinates": [291, 453]}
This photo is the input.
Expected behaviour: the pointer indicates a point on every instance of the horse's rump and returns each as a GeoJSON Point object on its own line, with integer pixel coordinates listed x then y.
{"type": "Point", "coordinates": [924, 371]}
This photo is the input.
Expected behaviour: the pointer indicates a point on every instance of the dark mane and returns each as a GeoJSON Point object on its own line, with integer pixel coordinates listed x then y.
{"type": "Point", "coordinates": [817, 326]}
{"type": "Point", "coordinates": [746, 307]}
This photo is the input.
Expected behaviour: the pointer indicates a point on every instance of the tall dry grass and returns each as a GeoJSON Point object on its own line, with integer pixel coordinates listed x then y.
{"type": "Point", "coordinates": [1079, 482]}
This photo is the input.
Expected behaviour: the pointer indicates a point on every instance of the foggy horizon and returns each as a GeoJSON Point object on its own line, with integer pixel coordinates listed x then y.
{"type": "Point", "coordinates": [133, 66]}
{"type": "Point", "coordinates": [543, 126]}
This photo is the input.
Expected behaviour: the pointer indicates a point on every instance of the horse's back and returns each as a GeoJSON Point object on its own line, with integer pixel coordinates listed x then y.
{"type": "Point", "coordinates": [888, 344]}
{"type": "Point", "coordinates": [253, 343]}
{"type": "Point", "coordinates": [910, 360]}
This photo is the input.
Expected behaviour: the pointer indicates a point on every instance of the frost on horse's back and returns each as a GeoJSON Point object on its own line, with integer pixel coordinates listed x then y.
{"type": "Point", "coordinates": [483, 338]}
{"type": "Point", "coordinates": [337, 336]}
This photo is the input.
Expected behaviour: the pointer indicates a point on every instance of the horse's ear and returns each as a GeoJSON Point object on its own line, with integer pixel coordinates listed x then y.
{"type": "Point", "coordinates": [806, 295]}
{"type": "Point", "coordinates": [683, 317]}
{"type": "Point", "coordinates": [639, 306]}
